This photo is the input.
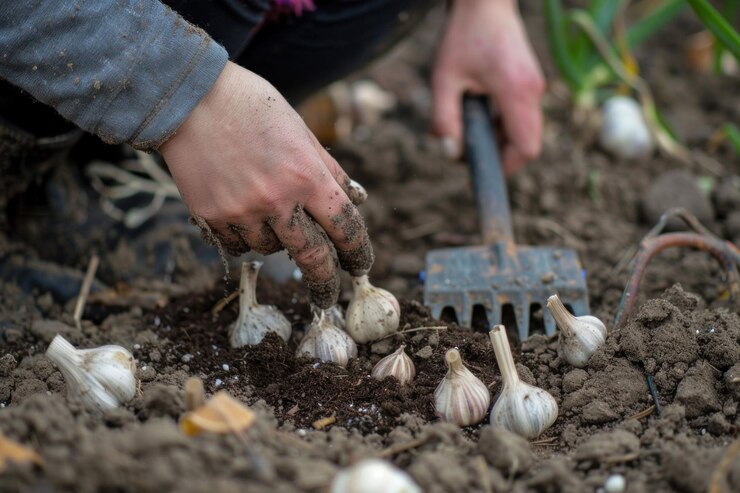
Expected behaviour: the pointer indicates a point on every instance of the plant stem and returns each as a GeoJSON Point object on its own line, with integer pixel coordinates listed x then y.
{"type": "Point", "coordinates": [505, 360]}
{"type": "Point", "coordinates": [248, 285]}
{"type": "Point", "coordinates": [561, 315]}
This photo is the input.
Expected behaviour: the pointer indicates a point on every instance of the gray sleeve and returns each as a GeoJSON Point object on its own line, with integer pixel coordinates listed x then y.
{"type": "Point", "coordinates": [125, 70]}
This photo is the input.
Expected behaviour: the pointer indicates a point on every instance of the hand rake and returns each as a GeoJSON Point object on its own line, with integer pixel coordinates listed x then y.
{"type": "Point", "coordinates": [498, 273]}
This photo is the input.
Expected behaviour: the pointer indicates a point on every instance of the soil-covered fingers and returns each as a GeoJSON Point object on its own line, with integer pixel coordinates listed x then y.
{"type": "Point", "coordinates": [344, 224]}
{"type": "Point", "coordinates": [220, 236]}
{"type": "Point", "coordinates": [258, 236]}
{"type": "Point", "coordinates": [310, 248]}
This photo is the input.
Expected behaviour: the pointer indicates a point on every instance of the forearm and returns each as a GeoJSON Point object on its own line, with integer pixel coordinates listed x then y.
{"type": "Point", "coordinates": [128, 71]}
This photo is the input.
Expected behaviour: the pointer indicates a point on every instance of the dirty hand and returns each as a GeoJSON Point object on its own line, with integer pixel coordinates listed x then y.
{"type": "Point", "coordinates": [254, 175]}
{"type": "Point", "coordinates": [485, 51]}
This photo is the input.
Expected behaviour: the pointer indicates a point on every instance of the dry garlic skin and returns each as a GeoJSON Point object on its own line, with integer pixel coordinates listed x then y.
{"type": "Point", "coordinates": [373, 313]}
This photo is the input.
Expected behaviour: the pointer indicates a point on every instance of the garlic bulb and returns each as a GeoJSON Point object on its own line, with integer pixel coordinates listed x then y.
{"type": "Point", "coordinates": [371, 476]}
{"type": "Point", "coordinates": [579, 337]}
{"type": "Point", "coordinates": [521, 408]}
{"type": "Point", "coordinates": [624, 131]}
{"type": "Point", "coordinates": [373, 313]}
{"type": "Point", "coordinates": [327, 342]}
{"type": "Point", "coordinates": [396, 364]}
{"type": "Point", "coordinates": [103, 377]}
{"type": "Point", "coordinates": [255, 321]}
{"type": "Point", "coordinates": [461, 397]}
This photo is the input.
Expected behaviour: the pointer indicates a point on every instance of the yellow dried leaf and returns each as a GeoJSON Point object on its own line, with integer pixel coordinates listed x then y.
{"type": "Point", "coordinates": [221, 414]}
{"type": "Point", "coordinates": [11, 451]}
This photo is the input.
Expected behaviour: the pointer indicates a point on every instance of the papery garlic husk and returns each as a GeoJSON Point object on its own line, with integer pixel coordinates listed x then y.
{"type": "Point", "coordinates": [373, 476]}
{"type": "Point", "coordinates": [461, 397]}
{"type": "Point", "coordinates": [255, 321]}
{"type": "Point", "coordinates": [373, 312]}
{"type": "Point", "coordinates": [579, 337]}
{"type": "Point", "coordinates": [102, 377]}
{"type": "Point", "coordinates": [520, 408]}
{"type": "Point", "coordinates": [624, 131]}
{"type": "Point", "coordinates": [327, 342]}
{"type": "Point", "coordinates": [397, 365]}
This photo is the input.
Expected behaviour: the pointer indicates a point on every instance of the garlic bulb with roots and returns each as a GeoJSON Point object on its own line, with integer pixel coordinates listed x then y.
{"type": "Point", "coordinates": [397, 365]}
{"type": "Point", "coordinates": [255, 321]}
{"type": "Point", "coordinates": [373, 313]}
{"type": "Point", "coordinates": [579, 337]}
{"type": "Point", "coordinates": [327, 342]}
{"type": "Point", "coordinates": [624, 131]}
{"type": "Point", "coordinates": [461, 397]}
{"type": "Point", "coordinates": [372, 476]}
{"type": "Point", "coordinates": [102, 377]}
{"type": "Point", "coordinates": [520, 408]}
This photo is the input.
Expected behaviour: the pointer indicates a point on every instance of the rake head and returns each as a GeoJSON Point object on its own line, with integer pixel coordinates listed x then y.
{"type": "Point", "coordinates": [493, 276]}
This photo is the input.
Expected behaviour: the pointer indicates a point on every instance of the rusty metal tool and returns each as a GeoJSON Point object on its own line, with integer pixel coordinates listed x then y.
{"type": "Point", "coordinates": [498, 273]}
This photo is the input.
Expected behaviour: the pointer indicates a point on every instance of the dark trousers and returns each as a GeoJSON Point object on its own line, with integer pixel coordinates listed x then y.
{"type": "Point", "coordinates": [297, 54]}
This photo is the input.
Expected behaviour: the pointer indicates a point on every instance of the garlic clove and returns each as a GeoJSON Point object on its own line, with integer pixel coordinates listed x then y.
{"type": "Point", "coordinates": [624, 131]}
{"type": "Point", "coordinates": [461, 397]}
{"type": "Point", "coordinates": [579, 337]}
{"type": "Point", "coordinates": [372, 476]}
{"type": "Point", "coordinates": [103, 377]}
{"type": "Point", "coordinates": [520, 408]}
{"type": "Point", "coordinates": [397, 365]}
{"type": "Point", "coordinates": [255, 321]}
{"type": "Point", "coordinates": [373, 312]}
{"type": "Point", "coordinates": [327, 342]}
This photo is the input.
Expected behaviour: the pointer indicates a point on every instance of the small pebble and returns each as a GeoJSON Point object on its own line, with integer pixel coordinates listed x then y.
{"type": "Point", "coordinates": [186, 358]}
{"type": "Point", "coordinates": [225, 367]}
{"type": "Point", "coordinates": [157, 321]}
{"type": "Point", "coordinates": [615, 484]}
{"type": "Point", "coordinates": [219, 382]}
{"type": "Point", "coordinates": [137, 347]}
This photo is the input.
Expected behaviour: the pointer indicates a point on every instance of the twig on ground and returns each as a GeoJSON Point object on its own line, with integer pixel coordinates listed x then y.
{"type": "Point", "coordinates": [223, 303]}
{"type": "Point", "coordinates": [441, 327]}
{"type": "Point", "coordinates": [645, 413]}
{"type": "Point", "coordinates": [720, 473]}
{"type": "Point", "coordinates": [92, 267]}
{"type": "Point", "coordinates": [403, 447]}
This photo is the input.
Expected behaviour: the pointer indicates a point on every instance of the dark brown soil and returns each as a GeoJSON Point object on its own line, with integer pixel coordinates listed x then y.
{"type": "Point", "coordinates": [685, 336]}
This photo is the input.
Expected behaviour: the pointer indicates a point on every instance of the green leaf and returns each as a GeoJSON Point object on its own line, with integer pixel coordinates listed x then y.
{"type": "Point", "coordinates": [714, 21]}
{"type": "Point", "coordinates": [558, 41]}
{"type": "Point", "coordinates": [732, 132]}
{"type": "Point", "coordinates": [653, 21]}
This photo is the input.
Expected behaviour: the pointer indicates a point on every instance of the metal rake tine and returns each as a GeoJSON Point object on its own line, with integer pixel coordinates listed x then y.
{"type": "Point", "coordinates": [550, 325]}
{"type": "Point", "coordinates": [521, 311]}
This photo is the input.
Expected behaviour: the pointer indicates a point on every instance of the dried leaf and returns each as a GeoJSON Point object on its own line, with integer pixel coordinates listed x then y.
{"type": "Point", "coordinates": [11, 451]}
{"type": "Point", "coordinates": [221, 414]}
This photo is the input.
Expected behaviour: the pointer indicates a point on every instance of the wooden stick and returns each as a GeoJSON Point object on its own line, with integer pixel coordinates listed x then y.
{"type": "Point", "coordinates": [92, 267]}
{"type": "Point", "coordinates": [402, 447]}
